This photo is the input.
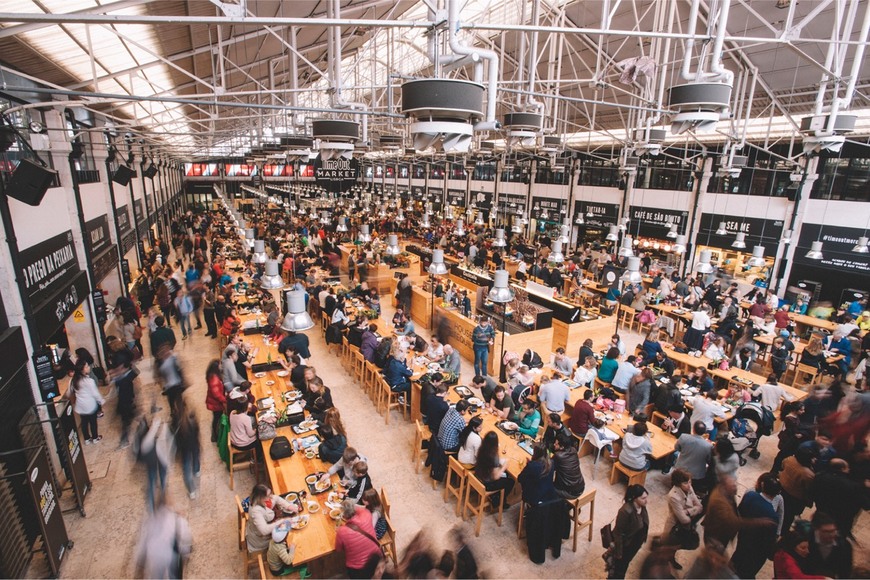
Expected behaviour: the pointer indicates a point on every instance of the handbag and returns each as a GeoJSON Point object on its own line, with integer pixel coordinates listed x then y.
{"type": "Point", "coordinates": [280, 448]}
{"type": "Point", "coordinates": [686, 536]}
{"type": "Point", "coordinates": [266, 430]}
{"type": "Point", "coordinates": [607, 539]}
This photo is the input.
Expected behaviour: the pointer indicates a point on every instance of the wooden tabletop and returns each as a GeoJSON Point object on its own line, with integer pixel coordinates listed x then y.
{"type": "Point", "coordinates": [516, 456]}
{"type": "Point", "coordinates": [317, 539]}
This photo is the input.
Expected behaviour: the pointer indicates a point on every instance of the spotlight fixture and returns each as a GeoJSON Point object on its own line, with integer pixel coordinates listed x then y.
{"type": "Point", "coordinates": [815, 252]}
{"type": "Point", "coordinates": [739, 241]}
{"type": "Point", "coordinates": [757, 259]}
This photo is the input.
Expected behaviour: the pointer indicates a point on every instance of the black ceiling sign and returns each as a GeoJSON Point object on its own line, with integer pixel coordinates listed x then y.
{"type": "Point", "coordinates": [336, 175]}
{"type": "Point", "coordinates": [551, 205]}
{"type": "Point", "coordinates": [480, 199]}
{"type": "Point", "coordinates": [122, 217]}
{"type": "Point", "coordinates": [759, 232]}
{"type": "Point", "coordinates": [837, 254]}
{"type": "Point", "coordinates": [47, 266]}
{"type": "Point", "coordinates": [603, 214]}
{"type": "Point", "coordinates": [456, 197]}
{"type": "Point", "coordinates": [97, 238]}
{"type": "Point", "coordinates": [653, 221]}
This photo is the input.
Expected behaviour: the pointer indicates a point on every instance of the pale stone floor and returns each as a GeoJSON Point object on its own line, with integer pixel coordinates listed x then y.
{"type": "Point", "coordinates": [106, 538]}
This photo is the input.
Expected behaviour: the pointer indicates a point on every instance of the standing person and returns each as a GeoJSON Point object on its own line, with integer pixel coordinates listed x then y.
{"type": "Point", "coordinates": [695, 454]}
{"type": "Point", "coordinates": [684, 510]}
{"type": "Point", "coordinates": [161, 335]}
{"type": "Point", "coordinates": [86, 400]}
{"type": "Point", "coordinates": [829, 554]}
{"type": "Point", "coordinates": [187, 438]}
{"type": "Point", "coordinates": [569, 482]}
{"type": "Point", "coordinates": [482, 338]}
{"type": "Point", "coordinates": [171, 377]}
{"type": "Point", "coordinates": [630, 531]}
{"type": "Point", "coordinates": [351, 266]}
{"type": "Point", "coordinates": [208, 303]}
{"type": "Point", "coordinates": [757, 543]}
{"type": "Point", "coordinates": [165, 543]}
{"type": "Point", "coordinates": [797, 479]}
{"type": "Point", "coordinates": [123, 374]}
{"type": "Point", "coordinates": [154, 452]}
{"type": "Point", "coordinates": [215, 398]}
{"type": "Point", "coordinates": [183, 308]}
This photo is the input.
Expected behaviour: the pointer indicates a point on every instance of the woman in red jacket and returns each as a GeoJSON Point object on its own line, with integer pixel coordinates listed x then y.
{"type": "Point", "coordinates": [215, 398]}
{"type": "Point", "coordinates": [231, 323]}
{"type": "Point", "coordinates": [790, 559]}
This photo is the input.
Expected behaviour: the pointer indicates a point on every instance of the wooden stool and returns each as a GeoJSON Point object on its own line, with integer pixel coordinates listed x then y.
{"type": "Point", "coordinates": [357, 363]}
{"type": "Point", "coordinates": [390, 399]}
{"type": "Point", "coordinates": [370, 376]}
{"type": "Point", "coordinates": [250, 559]}
{"type": "Point", "coordinates": [520, 528]}
{"type": "Point", "coordinates": [806, 374]}
{"type": "Point", "coordinates": [241, 518]}
{"type": "Point", "coordinates": [634, 477]}
{"type": "Point", "coordinates": [324, 323]}
{"type": "Point", "coordinates": [476, 499]}
{"type": "Point", "coordinates": [454, 468]}
{"type": "Point", "coordinates": [388, 541]}
{"type": "Point", "coordinates": [421, 434]}
{"type": "Point", "coordinates": [576, 506]}
{"type": "Point", "coordinates": [236, 452]}
{"type": "Point", "coordinates": [626, 317]}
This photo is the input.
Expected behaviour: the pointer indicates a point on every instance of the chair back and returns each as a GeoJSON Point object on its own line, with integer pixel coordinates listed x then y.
{"type": "Point", "coordinates": [594, 439]}
{"type": "Point", "coordinates": [385, 502]}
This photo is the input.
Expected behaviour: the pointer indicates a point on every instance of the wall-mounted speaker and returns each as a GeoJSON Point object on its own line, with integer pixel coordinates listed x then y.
{"type": "Point", "coordinates": [150, 172]}
{"type": "Point", "coordinates": [30, 181]}
{"type": "Point", "coordinates": [122, 175]}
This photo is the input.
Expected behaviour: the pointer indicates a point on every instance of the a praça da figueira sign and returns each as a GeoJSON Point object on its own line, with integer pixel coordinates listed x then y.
{"type": "Point", "coordinates": [336, 175]}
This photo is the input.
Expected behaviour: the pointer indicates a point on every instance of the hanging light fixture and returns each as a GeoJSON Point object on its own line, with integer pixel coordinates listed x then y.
{"type": "Point", "coordinates": [565, 234]}
{"type": "Point", "coordinates": [271, 279]}
{"type": "Point", "coordinates": [625, 250]}
{"type": "Point", "coordinates": [757, 259]}
{"type": "Point", "coordinates": [364, 236]}
{"type": "Point", "coordinates": [425, 223]}
{"type": "Point", "coordinates": [679, 246]}
{"type": "Point", "coordinates": [342, 225]}
{"type": "Point", "coordinates": [623, 224]}
{"type": "Point", "coordinates": [739, 241]}
{"type": "Point", "coordinates": [393, 248]}
{"type": "Point", "coordinates": [460, 228]}
{"type": "Point", "coordinates": [673, 233]}
{"type": "Point", "coordinates": [324, 217]}
{"type": "Point", "coordinates": [524, 220]}
{"type": "Point", "coordinates": [249, 238]}
{"type": "Point", "coordinates": [632, 274]}
{"type": "Point", "coordinates": [703, 266]}
{"type": "Point", "coordinates": [815, 252]}
{"type": "Point", "coordinates": [579, 219]}
{"type": "Point", "coordinates": [556, 256]}
{"type": "Point", "coordinates": [501, 291]}
{"type": "Point", "coordinates": [517, 228]}
{"type": "Point", "coordinates": [400, 216]}
{"type": "Point", "coordinates": [544, 215]}
{"type": "Point", "coordinates": [259, 256]}
{"type": "Point", "coordinates": [437, 267]}
{"type": "Point", "coordinates": [479, 219]}
{"type": "Point", "coordinates": [721, 231]}
{"type": "Point", "coordinates": [861, 246]}
{"type": "Point", "coordinates": [786, 237]}
{"type": "Point", "coordinates": [499, 241]}
{"type": "Point", "coordinates": [448, 213]}
{"type": "Point", "coordinates": [297, 318]}
{"type": "Point", "coordinates": [612, 234]}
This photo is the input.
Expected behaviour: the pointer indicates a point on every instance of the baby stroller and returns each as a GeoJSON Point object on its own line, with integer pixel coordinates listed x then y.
{"type": "Point", "coordinates": [751, 422]}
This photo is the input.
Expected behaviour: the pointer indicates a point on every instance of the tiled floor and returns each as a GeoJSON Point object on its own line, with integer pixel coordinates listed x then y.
{"type": "Point", "coordinates": [106, 538]}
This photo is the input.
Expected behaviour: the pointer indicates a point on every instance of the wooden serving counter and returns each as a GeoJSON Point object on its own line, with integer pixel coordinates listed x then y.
{"type": "Point", "coordinates": [571, 336]}
{"type": "Point", "coordinates": [459, 330]}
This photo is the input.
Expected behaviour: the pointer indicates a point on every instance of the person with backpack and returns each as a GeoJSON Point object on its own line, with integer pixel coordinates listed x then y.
{"type": "Point", "coordinates": [184, 307]}
{"type": "Point", "coordinates": [171, 377]}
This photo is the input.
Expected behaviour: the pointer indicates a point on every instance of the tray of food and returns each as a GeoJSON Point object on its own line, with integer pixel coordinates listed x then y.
{"type": "Point", "coordinates": [305, 426]}
{"type": "Point", "coordinates": [475, 401]}
{"type": "Point", "coordinates": [315, 485]}
{"type": "Point", "coordinates": [308, 441]}
{"type": "Point", "coordinates": [508, 427]}
{"type": "Point", "coordinates": [463, 392]}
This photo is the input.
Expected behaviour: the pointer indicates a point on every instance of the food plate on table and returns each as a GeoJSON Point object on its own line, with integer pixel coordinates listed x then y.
{"type": "Point", "coordinates": [282, 374]}
{"type": "Point", "coordinates": [309, 441]}
{"type": "Point", "coordinates": [311, 479]}
{"type": "Point", "coordinates": [299, 522]}
{"type": "Point", "coordinates": [335, 514]}
{"type": "Point", "coordinates": [291, 396]}
{"type": "Point", "coordinates": [305, 426]}
{"type": "Point", "coordinates": [434, 367]}
{"type": "Point", "coordinates": [260, 375]}
{"type": "Point", "coordinates": [270, 383]}
{"type": "Point", "coordinates": [686, 392]}
{"type": "Point", "coordinates": [316, 486]}
{"type": "Point", "coordinates": [463, 392]}
{"type": "Point", "coordinates": [475, 401]}
{"type": "Point", "coordinates": [508, 427]}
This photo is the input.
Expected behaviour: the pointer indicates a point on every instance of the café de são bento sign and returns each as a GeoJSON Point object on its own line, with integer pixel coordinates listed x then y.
{"type": "Point", "coordinates": [336, 175]}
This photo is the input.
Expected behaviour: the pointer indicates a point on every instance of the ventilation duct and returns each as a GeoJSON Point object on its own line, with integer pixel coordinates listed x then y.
{"type": "Point", "coordinates": [522, 129]}
{"type": "Point", "coordinates": [442, 113]}
{"type": "Point", "coordinates": [335, 138]}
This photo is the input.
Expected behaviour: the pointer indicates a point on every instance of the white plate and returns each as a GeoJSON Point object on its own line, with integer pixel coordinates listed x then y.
{"type": "Point", "coordinates": [260, 375]}
{"type": "Point", "coordinates": [270, 383]}
{"type": "Point", "coordinates": [475, 401]}
{"type": "Point", "coordinates": [510, 426]}
{"type": "Point", "coordinates": [282, 373]}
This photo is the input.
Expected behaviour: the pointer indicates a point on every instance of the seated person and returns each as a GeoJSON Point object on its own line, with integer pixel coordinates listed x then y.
{"type": "Point", "coordinates": [529, 418]}
{"type": "Point", "coordinates": [317, 399]}
{"type": "Point", "coordinates": [626, 375]}
{"type": "Point", "coordinates": [663, 362]}
{"type": "Point", "coordinates": [562, 363]}
{"type": "Point", "coordinates": [636, 448]}
{"type": "Point", "coordinates": [436, 406]}
{"type": "Point", "coordinates": [586, 373]}
{"type": "Point", "coordinates": [501, 404]}
{"type": "Point", "coordinates": [396, 373]}
{"type": "Point", "coordinates": [555, 427]}
{"type": "Point", "coordinates": [582, 415]}
{"type": "Point", "coordinates": [469, 442]}
{"type": "Point", "coordinates": [435, 351]}
{"type": "Point", "coordinates": [604, 434]}
{"type": "Point", "coordinates": [243, 434]}
{"type": "Point", "coordinates": [486, 384]}
{"type": "Point", "coordinates": [701, 380]}
{"type": "Point", "coordinates": [569, 480]}
{"type": "Point", "coordinates": [452, 362]}
{"type": "Point", "coordinates": [362, 482]}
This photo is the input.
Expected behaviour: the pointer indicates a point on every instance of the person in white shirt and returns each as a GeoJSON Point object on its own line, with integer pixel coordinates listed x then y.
{"type": "Point", "coordinates": [339, 317]}
{"type": "Point", "coordinates": [716, 350]}
{"type": "Point", "coordinates": [771, 393]}
{"type": "Point", "coordinates": [553, 394]}
{"type": "Point", "coordinates": [522, 266]}
{"type": "Point", "coordinates": [562, 363]}
{"type": "Point", "coordinates": [435, 352]}
{"type": "Point", "coordinates": [469, 441]}
{"type": "Point", "coordinates": [705, 409]}
{"type": "Point", "coordinates": [626, 375]}
{"type": "Point", "coordinates": [586, 373]}
{"type": "Point", "coordinates": [321, 298]}
{"type": "Point", "coordinates": [665, 287]}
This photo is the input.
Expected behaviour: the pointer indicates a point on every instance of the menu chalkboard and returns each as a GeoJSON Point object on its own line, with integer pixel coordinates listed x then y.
{"type": "Point", "coordinates": [42, 364]}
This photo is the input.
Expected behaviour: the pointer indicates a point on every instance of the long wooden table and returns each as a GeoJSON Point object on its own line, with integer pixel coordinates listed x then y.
{"type": "Point", "coordinates": [317, 539]}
